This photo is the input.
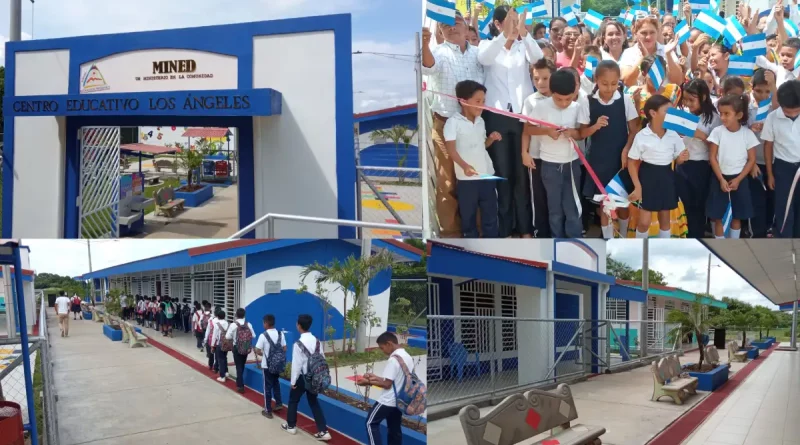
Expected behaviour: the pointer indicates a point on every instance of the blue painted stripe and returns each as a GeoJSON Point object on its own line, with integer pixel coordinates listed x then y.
{"type": "Point", "coordinates": [462, 263]}
{"type": "Point", "coordinates": [579, 272]}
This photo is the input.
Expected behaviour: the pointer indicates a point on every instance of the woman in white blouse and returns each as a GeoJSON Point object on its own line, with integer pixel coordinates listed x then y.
{"type": "Point", "coordinates": [506, 59]}
{"type": "Point", "coordinates": [612, 40]}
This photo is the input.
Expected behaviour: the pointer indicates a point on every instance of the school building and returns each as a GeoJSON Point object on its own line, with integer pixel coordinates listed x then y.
{"type": "Point", "coordinates": [8, 289]}
{"type": "Point", "coordinates": [261, 276]}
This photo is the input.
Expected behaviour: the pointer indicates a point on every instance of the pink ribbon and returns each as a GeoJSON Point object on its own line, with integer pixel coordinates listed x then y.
{"type": "Point", "coordinates": [607, 204]}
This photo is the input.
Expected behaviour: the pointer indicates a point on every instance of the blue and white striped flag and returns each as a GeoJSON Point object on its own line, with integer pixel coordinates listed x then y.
{"type": "Point", "coordinates": [797, 63]}
{"type": "Point", "coordinates": [591, 64]}
{"type": "Point", "coordinates": [538, 9]}
{"type": "Point", "coordinates": [754, 45]}
{"type": "Point", "coordinates": [741, 66]}
{"type": "Point", "coordinates": [529, 9]}
{"type": "Point", "coordinates": [676, 8]}
{"type": "Point", "coordinates": [629, 19]}
{"type": "Point", "coordinates": [640, 11]}
{"type": "Point", "coordinates": [713, 5]}
{"type": "Point", "coordinates": [710, 23]}
{"type": "Point", "coordinates": [488, 3]}
{"type": "Point", "coordinates": [441, 11]}
{"type": "Point", "coordinates": [682, 32]}
{"type": "Point", "coordinates": [699, 5]}
{"type": "Point", "coordinates": [734, 31]}
{"type": "Point", "coordinates": [681, 122]}
{"type": "Point", "coordinates": [763, 109]}
{"type": "Point", "coordinates": [727, 217]}
{"type": "Point", "coordinates": [621, 16]}
{"type": "Point", "coordinates": [483, 27]}
{"type": "Point", "coordinates": [577, 6]}
{"type": "Point", "coordinates": [568, 14]}
{"type": "Point", "coordinates": [616, 189]}
{"type": "Point", "coordinates": [593, 19]}
{"type": "Point", "coordinates": [657, 74]}
{"type": "Point", "coordinates": [791, 28]}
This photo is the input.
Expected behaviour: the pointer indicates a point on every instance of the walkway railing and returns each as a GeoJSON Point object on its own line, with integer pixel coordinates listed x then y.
{"type": "Point", "coordinates": [482, 357]}
{"type": "Point", "coordinates": [270, 218]}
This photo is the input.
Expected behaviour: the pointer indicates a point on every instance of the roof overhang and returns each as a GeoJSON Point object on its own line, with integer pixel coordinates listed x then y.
{"type": "Point", "coordinates": [454, 261]}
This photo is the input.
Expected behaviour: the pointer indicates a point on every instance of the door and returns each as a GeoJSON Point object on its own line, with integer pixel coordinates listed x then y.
{"type": "Point", "coordinates": [568, 307]}
{"type": "Point", "coordinates": [158, 288]}
{"type": "Point", "coordinates": [98, 193]}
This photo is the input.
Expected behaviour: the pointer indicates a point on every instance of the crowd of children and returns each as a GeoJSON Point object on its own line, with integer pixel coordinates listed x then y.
{"type": "Point", "coordinates": [612, 96]}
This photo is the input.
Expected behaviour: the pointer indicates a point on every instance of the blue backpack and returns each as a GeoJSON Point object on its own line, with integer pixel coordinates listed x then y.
{"type": "Point", "coordinates": [276, 359]}
{"type": "Point", "coordinates": [318, 376]}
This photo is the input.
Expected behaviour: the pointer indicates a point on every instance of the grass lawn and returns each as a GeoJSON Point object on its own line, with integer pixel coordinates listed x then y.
{"type": "Point", "coordinates": [38, 399]}
{"type": "Point", "coordinates": [151, 190]}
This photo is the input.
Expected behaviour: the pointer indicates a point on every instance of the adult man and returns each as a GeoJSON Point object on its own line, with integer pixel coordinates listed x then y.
{"type": "Point", "coordinates": [452, 61]}
{"type": "Point", "coordinates": [62, 310]}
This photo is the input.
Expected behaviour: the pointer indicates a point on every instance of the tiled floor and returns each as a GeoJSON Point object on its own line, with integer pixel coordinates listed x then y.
{"type": "Point", "coordinates": [763, 410]}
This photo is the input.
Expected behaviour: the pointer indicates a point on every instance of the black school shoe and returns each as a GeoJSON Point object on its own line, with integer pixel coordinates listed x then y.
{"type": "Point", "coordinates": [266, 414]}
{"type": "Point", "coordinates": [240, 390]}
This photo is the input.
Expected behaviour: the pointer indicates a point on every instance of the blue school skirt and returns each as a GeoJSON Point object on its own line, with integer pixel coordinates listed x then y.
{"type": "Point", "coordinates": [741, 200]}
{"type": "Point", "coordinates": [658, 187]}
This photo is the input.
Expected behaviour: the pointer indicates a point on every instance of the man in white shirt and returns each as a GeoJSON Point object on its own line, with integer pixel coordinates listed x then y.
{"type": "Point", "coordinates": [305, 346]}
{"type": "Point", "coordinates": [62, 310]}
{"type": "Point", "coordinates": [452, 61]}
{"type": "Point", "coordinates": [208, 336]}
{"type": "Point", "coordinates": [233, 335]}
{"type": "Point", "coordinates": [272, 387]}
{"type": "Point", "coordinates": [123, 304]}
{"type": "Point", "coordinates": [392, 377]}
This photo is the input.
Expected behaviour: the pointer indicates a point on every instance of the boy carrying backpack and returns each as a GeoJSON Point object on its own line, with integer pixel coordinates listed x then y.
{"type": "Point", "coordinates": [310, 376]}
{"type": "Point", "coordinates": [241, 333]}
{"type": "Point", "coordinates": [403, 392]}
{"type": "Point", "coordinates": [272, 347]}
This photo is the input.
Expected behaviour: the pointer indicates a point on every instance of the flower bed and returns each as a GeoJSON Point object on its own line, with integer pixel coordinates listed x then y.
{"type": "Point", "coordinates": [114, 333]}
{"type": "Point", "coordinates": [194, 195]}
{"type": "Point", "coordinates": [344, 411]}
{"type": "Point", "coordinates": [709, 378]}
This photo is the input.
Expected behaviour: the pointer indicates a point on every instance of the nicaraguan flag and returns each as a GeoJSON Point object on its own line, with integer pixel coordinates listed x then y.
{"type": "Point", "coordinates": [741, 66]}
{"type": "Point", "coordinates": [754, 45]}
{"type": "Point", "coordinates": [577, 6]}
{"type": "Point", "coordinates": [616, 189]}
{"type": "Point", "coordinates": [791, 28]}
{"type": "Point", "coordinates": [593, 19]}
{"type": "Point", "coordinates": [538, 9]}
{"type": "Point", "coordinates": [621, 16]}
{"type": "Point", "coordinates": [710, 23]}
{"type": "Point", "coordinates": [529, 9]}
{"type": "Point", "coordinates": [641, 11]}
{"type": "Point", "coordinates": [676, 8]}
{"type": "Point", "coordinates": [488, 3]}
{"type": "Point", "coordinates": [682, 32]}
{"type": "Point", "coordinates": [629, 19]}
{"type": "Point", "coordinates": [483, 27]}
{"type": "Point", "coordinates": [568, 14]}
{"type": "Point", "coordinates": [797, 62]}
{"type": "Point", "coordinates": [713, 5]}
{"type": "Point", "coordinates": [763, 109]}
{"type": "Point", "coordinates": [441, 11]}
{"type": "Point", "coordinates": [657, 74]}
{"type": "Point", "coordinates": [734, 31]}
{"type": "Point", "coordinates": [727, 218]}
{"type": "Point", "coordinates": [588, 70]}
{"type": "Point", "coordinates": [699, 5]}
{"type": "Point", "coordinates": [681, 122]}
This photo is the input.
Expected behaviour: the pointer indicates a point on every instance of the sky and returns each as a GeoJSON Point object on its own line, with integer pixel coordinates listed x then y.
{"type": "Point", "coordinates": [684, 263]}
{"type": "Point", "coordinates": [379, 26]}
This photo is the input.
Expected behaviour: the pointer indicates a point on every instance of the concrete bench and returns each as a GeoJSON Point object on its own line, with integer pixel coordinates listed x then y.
{"type": "Point", "coordinates": [166, 203]}
{"type": "Point", "coordinates": [521, 417]}
{"type": "Point", "coordinates": [133, 338]}
{"type": "Point", "coordinates": [734, 354]}
{"type": "Point", "coordinates": [670, 380]}
{"type": "Point", "coordinates": [712, 355]}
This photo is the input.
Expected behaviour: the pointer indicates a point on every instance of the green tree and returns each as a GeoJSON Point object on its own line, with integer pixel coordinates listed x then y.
{"type": "Point", "coordinates": [48, 280]}
{"type": "Point", "coordinates": [191, 159]}
{"type": "Point", "coordinates": [399, 135]}
{"type": "Point", "coordinates": [654, 277]}
{"type": "Point", "coordinates": [605, 7]}
{"type": "Point", "coordinates": [112, 302]}
{"type": "Point", "coordinates": [690, 322]}
{"type": "Point", "coordinates": [618, 269]}
{"type": "Point", "coordinates": [766, 320]}
{"type": "Point", "coordinates": [741, 319]}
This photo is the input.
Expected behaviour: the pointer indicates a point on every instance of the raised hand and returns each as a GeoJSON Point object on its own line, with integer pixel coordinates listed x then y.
{"type": "Point", "coordinates": [426, 36]}
{"type": "Point", "coordinates": [523, 30]}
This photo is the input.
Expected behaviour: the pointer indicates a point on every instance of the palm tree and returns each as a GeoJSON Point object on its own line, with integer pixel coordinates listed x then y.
{"type": "Point", "coordinates": [741, 319]}
{"type": "Point", "coordinates": [397, 134]}
{"type": "Point", "coordinates": [690, 322]}
{"type": "Point", "coordinates": [350, 277]}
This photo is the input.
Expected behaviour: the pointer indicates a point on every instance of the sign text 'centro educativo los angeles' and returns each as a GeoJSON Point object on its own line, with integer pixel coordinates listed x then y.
{"type": "Point", "coordinates": [102, 105]}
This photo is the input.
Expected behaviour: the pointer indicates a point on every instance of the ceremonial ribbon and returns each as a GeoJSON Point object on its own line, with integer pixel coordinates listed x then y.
{"type": "Point", "coordinates": [608, 206]}
{"type": "Point", "coordinates": [789, 200]}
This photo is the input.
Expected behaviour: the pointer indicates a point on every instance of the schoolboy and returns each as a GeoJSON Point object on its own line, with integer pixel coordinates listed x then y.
{"type": "Point", "coordinates": [780, 135]}
{"type": "Point", "coordinates": [269, 339]}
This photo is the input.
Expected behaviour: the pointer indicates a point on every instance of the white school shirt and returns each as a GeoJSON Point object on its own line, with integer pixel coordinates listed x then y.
{"type": "Point", "coordinates": [230, 334]}
{"type": "Point", "coordinates": [587, 86]}
{"type": "Point", "coordinates": [559, 151]}
{"type": "Point", "coordinates": [299, 358]}
{"type": "Point", "coordinates": [508, 76]}
{"type": "Point", "coordinates": [197, 320]}
{"type": "Point", "coordinates": [527, 109]}
{"type": "Point", "coordinates": [210, 330]}
{"type": "Point", "coordinates": [394, 372]}
{"type": "Point", "coordinates": [733, 148]}
{"type": "Point", "coordinates": [630, 108]}
{"type": "Point", "coordinates": [607, 55]}
{"type": "Point", "coordinates": [698, 149]}
{"type": "Point", "coordinates": [782, 75]}
{"type": "Point", "coordinates": [264, 346]}
{"type": "Point", "coordinates": [62, 304]}
{"type": "Point", "coordinates": [784, 134]}
{"type": "Point", "coordinates": [648, 147]}
{"type": "Point", "coordinates": [451, 66]}
{"type": "Point", "coordinates": [219, 326]}
{"type": "Point", "coordinates": [123, 301]}
{"type": "Point", "coordinates": [470, 138]}
{"type": "Point", "coordinates": [631, 56]}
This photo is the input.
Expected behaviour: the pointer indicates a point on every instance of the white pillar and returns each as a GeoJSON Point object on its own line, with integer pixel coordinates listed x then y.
{"type": "Point", "coordinates": [793, 342]}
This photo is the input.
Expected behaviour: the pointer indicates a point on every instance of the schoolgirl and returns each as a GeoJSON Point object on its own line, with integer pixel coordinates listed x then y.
{"type": "Point", "coordinates": [650, 166]}
{"type": "Point", "coordinates": [693, 176]}
{"type": "Point", "coordinates": [613, 124]}
{"type": "Point", "coordinates": [732, 158]}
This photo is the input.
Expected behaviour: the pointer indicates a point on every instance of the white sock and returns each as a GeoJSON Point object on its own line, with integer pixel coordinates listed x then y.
{"type": "Point", "coordinates": [623, 228]}
{"type": "Point", "coordinates": [735, 233]}
{"type": "Point", "coordinates": [719, 237]}
{"type": "Point", "coordinates": [608, 231]}
{"type": "Point", "coordinates": [664, 233]}
{"type": "Point", "coordinates": [641, 235]}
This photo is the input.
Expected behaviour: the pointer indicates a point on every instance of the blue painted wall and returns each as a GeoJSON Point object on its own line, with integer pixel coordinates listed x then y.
{"type": "Point", "coordinates": [387, 155]}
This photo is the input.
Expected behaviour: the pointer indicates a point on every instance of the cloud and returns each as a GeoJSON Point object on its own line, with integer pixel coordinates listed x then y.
{"type": "Point", "coordinates": [383, 81]}
{"type": "Point", "coordinates": [690, 275]}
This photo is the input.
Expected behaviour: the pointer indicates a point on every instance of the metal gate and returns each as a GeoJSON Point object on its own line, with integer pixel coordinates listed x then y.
{"type": "Point", "coordinates": [98, 199]}
{"type": "Point", "coordinates": [435, 357]}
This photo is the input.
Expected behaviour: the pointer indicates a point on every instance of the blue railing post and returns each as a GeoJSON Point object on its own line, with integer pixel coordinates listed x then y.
{"type": "Point", "coordinates": [23, 332]}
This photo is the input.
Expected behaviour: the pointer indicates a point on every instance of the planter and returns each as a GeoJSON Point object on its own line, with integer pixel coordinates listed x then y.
{"type": "Point", "coordinates": [711, 380]}
{"type": "Point", "coordinates": [87, 315]}
{"type": "Point", "coordinates": [763, 344]}
{"type": "Point", "coordinates": [195, 198]}
{"type": "Point", "coordinates": [414, 332]}
{"type": "Point", "coordinates": [752, 353]}
{"type": "Point", "coordinates": [340, 416]}
{"type": "Point", "coordinates": [111, 333]}
{"type": "Point", "coordinates": [418, 342]}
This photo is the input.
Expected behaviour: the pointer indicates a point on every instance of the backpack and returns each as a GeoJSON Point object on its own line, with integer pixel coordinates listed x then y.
{"type": "Point", "coordinates": [318, 376]}
{"type": "Point", "coordinates": [203, 321]}
{"type": "Point", "coordinates": [244, 339]}
{"type": "Point", "coordinates": [412, 398]}
{"type": "Point", "coordinates": [276, 359]}
{"type": "Point", "coordinates": [224, 344]}
{"type": "Point", "coordinates": [169, 310]}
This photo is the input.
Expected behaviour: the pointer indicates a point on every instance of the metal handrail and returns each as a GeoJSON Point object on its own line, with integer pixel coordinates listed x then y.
{"type": "Point", "coordinates": [389, 169]}
{"type": "Point", "coordinates": [270, 219]}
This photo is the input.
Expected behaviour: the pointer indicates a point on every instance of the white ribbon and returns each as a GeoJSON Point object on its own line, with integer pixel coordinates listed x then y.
{"type": "Point", "coordinates": [789, 200]}
{"type": "Point", "coordinates": [575, 194]}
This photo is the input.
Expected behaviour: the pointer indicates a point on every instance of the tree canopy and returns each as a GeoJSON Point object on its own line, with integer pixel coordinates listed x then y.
{"type": "Point", "coordinates": [623, 271]}
{"type": "Point", "coordinates": [49, 280]}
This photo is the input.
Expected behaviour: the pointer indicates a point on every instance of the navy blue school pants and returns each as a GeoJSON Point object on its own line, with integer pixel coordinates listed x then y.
{"type": "Point", "coordinates": [272, 390]}
{"type": "Point", "coordinates": [565, 219]}
{"type": "Point", "coordinates": [784, 174]}
{"type": "Point", "coordinates": [212, 359]}
{"type": "Point", "coordinates": [478, 195]}
{"type": "Point", "coordinates": [393, 418]}
{"type": "Point", "coordinates": [763, 205]}
{"type": "Point", "coordinates": [222, 361]}
{"type": "Point", "coordinates": [294, 399]}
{"type": "Point", "coordinates": [692, 182]}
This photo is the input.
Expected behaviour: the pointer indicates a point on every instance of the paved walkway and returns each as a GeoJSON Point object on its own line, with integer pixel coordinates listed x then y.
{"type": "Point", "coordinates": [764, 409]}
{"type": "Point", "coordinates": [111, 394]}
{"type": "Point", "coordinates": [216, 218]}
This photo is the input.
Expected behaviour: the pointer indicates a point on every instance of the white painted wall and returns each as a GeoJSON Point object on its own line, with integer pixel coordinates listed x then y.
{"type": "Point", "coordinates": [170, 135]}
{"type": "Point", "coordinates": [295, 153]}
{"type": "Point", "coordinates": [39, 147]}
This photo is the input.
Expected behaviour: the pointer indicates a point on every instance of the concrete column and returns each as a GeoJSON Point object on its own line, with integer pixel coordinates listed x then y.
{"type": "Point", "coordinates": [793, 342]}
{"type": "Point", "coordinates": [531, 335]}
